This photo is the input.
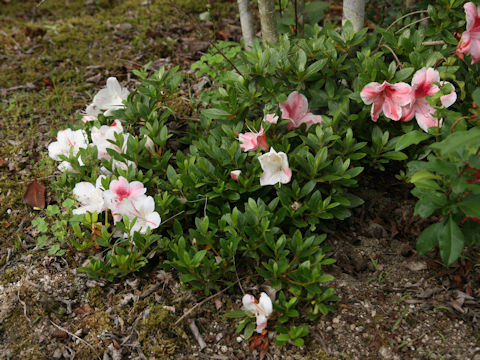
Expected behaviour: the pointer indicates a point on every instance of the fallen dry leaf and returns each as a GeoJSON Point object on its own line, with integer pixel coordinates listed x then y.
{"type": "Point", "coordinates": [35, 195]}
{"type": "Point", "coordinates": [3, 162]}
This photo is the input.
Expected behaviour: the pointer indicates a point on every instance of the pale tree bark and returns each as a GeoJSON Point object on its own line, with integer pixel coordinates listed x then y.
{"type": "Point", "coordinates": [266, 9]}
{"type": "Point", "coordinates": [246, 21]}
{"type": "Point", "coordinates": [409, 3]}
{"type": "Point", "coordinates": [354, 10]}
{"type": "Point", "coordinates": [299, 16]}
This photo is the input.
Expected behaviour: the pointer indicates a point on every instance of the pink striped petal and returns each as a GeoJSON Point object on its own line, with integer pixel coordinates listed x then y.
{"type": "Point", "coordinates": [295, 107]}
{"type": "Point", "coordinates": [448, 99]}
{"type": "Point", "coordinates": [371, 91]}
{"type": "Point", "coordinates": [402, 93]}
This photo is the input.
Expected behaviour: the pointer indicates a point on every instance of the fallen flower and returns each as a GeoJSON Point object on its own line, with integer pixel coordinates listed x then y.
{"type": "Point", "coordinates": [275, 167]}
{"type": "Point", "coordinates": [423, 86]}
{"type": "Point", "coordinates": [251, 141]}
{"type": "Point", "coordinates": [386, 98]}
{"type": "Point", "coordinates": [296, 110]}
{"type": "Point", "coordinates": [261, 309]}
{"type": "Point", "coordinates": [470, 41]}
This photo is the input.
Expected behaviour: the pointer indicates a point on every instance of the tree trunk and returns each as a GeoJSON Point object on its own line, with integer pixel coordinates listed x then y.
{"type": "Point", "coordinates": [354, 10]}
{"type": "Point", "coordinates": [299, 16]}
{"type": "Point", "coordinates": [266, 8]}
{"type": "Point", "coordinates": [246, 21]}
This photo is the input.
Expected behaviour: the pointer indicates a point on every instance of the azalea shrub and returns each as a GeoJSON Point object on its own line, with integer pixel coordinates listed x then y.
{"type": "Point", "coordinates": [270, 165]}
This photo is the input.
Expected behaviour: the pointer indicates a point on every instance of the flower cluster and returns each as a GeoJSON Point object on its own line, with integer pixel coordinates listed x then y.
{"type": "Point", "coordinates": [470, 41]}
{"type": "Point", "coordinates": [404, 102]}
{"type": "Point", "coordinates": [275, 164]}
{"type": "Point", "coordinates": [121, 198]}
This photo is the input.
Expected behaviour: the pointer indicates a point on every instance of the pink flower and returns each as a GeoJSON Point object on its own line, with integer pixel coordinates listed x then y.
{"type": "Point", "coordinates": [235, 174]}
{"type": "Point", "coordinates": [120, 194]}
{"type": "Point", "coordinates": [386, 97]}
{"type": "Point", "coordinates": [423, 86]}
{"type": "Point", "coordinates": [271, 118]}
{"type": "Point", "coordinates": [470, 41]}
{"type": "Point", "coordinates": [296, 110]}
{"type": "Point", "coordinates": [253, 141]}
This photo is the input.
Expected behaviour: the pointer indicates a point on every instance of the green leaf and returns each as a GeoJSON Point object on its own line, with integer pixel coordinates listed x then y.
{"type": "Point", "coordinates": [410, 138]}
{"type": "Point", "coordinates": [423, 175]}
{"type": "Point", "coordinates": [404, 73]}
{"type": "Point", "coordinates": [470, 207]}
{"type": "Point", "coordinates": [299, 342]}
{"type": "Point", "coordinates": [249, 329]}
{"type": "Point", "coordinates": [428, 238]}
{"type": "Point", "coordinates": [451, 242]}
{"type": "Point", "coordinates": [394, 155]}
{"type": "Point", "coordinates": [476, 96]}
{"type": "Point", "coordinates": [457, 140]}
{"type": "Point", "coordinates": [216, 113]}
{"type": "Point", "coordinates": [236, 314]}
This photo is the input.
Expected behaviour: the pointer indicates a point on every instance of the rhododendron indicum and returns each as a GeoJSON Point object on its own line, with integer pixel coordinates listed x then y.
{"type": "Point", "coordinates": [102, 135]}
{"type": "Point", "coordinates": [253, 141]}
{"type": "Point", "coordinates": [275, 168]}
{"type": "Point", "coordinates": [470, 41]}
{"type": "Point", "coordinates": [143, 210]}
{"type": "Point", "coordinates": [386, 98]}
{"type": "Point", "coordinates": [109, 98]}
{"type": "Point", "coordinates": [261, 309]}
{"type": "Point", "coordinates": [235, 174]}
{"type": "Point", "coordinates": [68, 142]}
{"type": "Point", "coordinates": [423, 86]}
{"type": "Point", "coordinates": [89, 196]}
{"type": "Point", "coordinates": [296, 110]}
{"type": "Point", "coordinates": [120, 194]}
{"type": "Point", "coordinates": [271, 118]}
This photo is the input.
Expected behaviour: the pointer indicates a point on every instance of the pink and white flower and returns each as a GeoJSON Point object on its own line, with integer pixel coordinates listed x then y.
{"type": "Point", "coordinates": [262, 309]}
{"type": "Point", "coordinates": [271, 118]}
{"type": "Point", "coordinates": [386, 98]}
{"type": "Point", "coordinates": [68, 141]}
{"type": "Point", "coordinates": [102, 135]}
{"type": "Point", "coordinates": [120, 194]}
{"type": "Point", "coordinates": [235, 174]}
{"type": "Point", "coordinates": [89, 196]}
{"type": "Point", "coordinates": [109, 98]}
{"type": "Point", "coordinates": [251, 141]}
{"type": "Point", "coordinates": [470, 41]}
{"type": "Point", "coordinates": [296, 110]}
{"type": "Point", "coordinates": [423, 86]}
{"type": "Point", "coordinates": [275, 168]}
{"type": "Point", "coordinates": [143, 209]}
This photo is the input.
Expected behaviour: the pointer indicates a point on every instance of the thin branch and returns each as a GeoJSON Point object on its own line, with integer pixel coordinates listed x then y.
{"type": "Point", "coordinates": [40, 3]}
{"type": "Point", "coordinates": [24, 306]}
{"type": "Point", "coordinates": [236, 273]}
{"type": "Point", "coordinates": [76, 337]}
{"type": "Point", "coordinates": [174, 216]}
{"type": "Point", "coordinates": [188, 312]}
{"type": "Point", "coordinates": [399, 64]}
{"type": "Point", "coordinates": [403, 17]}
{"type": "Point", "coordinates": [436, 42]}
{"type": "Point", "coordinates": [197, 26]}
{"type": "Point", "coordinates": [412, 23]}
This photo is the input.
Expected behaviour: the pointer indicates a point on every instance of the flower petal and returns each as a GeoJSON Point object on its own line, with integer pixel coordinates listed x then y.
{"type": "Point", "coordinates": [448, 99]}
{"type": "Point", "coordinates": [295, 107]}
{"type": "Point", "coordinates": [371, 91]}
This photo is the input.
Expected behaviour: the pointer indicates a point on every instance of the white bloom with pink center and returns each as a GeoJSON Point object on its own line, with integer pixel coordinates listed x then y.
{"type": "Point", "coordinates": [470, 41]}
{"type": "Point", "coordinates": [423, 86]}
{"type": "Point", "coordinates": [296, 110]}
{"type": "Point", "coordinates": [143, 210]}
{"type": "Point", "coordinates": [271, 118]}
{"type": "Point", "coordinates": [120, 194]}
{"type": "Point", "coordinates": [235, 174]}
{"type": "Point", "coordinates": [251, 141]}
{"type": "Point", "coordinates": [109, 98]}
{"type": "Point", "coordinates": [102, 135]}
{"type": "Point", "coordinates": [386, 98]}
{"type": "Point", "coordinates": [262, 309]}
{"type": "Point", "coordinates": [89, 196]}
{"type": "Point", "coordinates": [275, 168]}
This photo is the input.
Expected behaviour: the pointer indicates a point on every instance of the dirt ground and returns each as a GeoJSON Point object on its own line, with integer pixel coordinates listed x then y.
{"type": "Point", "coordinates": [394, 304]}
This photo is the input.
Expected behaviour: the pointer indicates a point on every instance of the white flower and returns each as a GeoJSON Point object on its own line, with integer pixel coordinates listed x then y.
{"type": "Point", "coordinates": [102, 135]}
{"type": "Point", "coordinates": [67, 141]}
{"type": "Point", "coordinates": [109, 98]}
{"type": "Point", "coordinates": [275, 168]}
{"type": "Point", "coordinates": [143, 209]}
{"type": "Point", "coordinates": [89, 196]}
{"type": "Point", "coordinates": [261, 309]}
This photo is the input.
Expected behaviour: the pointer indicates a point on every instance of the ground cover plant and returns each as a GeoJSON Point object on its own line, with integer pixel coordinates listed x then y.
{"type": "Point", "coordinates": [248, 192]}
